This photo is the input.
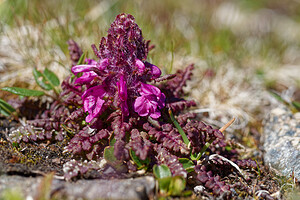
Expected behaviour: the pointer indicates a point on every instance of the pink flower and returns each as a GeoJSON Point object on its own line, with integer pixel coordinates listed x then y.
{"type": "Point", "coordinates": [89, 71]}
{"type": "Point", "coordinates": [92, 101]}
{"type": "Point", "coordinates": [86, 78]}
{"type": "Point", "coordinates": [122, 90]}
{"type": "Point", "coordinates": [150, 101]}
{"type": "Point", "coordinates": [155, 71]}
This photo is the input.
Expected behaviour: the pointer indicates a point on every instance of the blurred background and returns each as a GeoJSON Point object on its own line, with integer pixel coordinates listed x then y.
{"type": "Point", "coordinates": [243, 50]}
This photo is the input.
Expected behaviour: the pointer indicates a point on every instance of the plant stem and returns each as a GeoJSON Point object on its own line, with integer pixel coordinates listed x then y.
{"type": "Point", "coordinates": [227, 125]}
{"type": "Point", "coordinates": [204, 148]}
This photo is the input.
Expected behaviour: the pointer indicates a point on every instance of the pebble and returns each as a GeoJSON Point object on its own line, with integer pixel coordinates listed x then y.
{"type": "Point", "coordinates": [281, 141]}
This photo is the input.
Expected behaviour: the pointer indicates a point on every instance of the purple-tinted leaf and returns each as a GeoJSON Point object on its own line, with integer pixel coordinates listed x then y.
{"type": "Point", "coordinates": [86, 145]}
{"type": "Point", "coordinates": [74, 51]}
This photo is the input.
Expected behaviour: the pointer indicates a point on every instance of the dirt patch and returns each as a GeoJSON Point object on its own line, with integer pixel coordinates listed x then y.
{"type": "Point", "coordinates": [29, 159]}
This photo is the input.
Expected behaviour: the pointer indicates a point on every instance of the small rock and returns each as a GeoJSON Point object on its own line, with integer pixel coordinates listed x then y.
{"type": "Point", "coordinates": [198, 189]}
{"type": "Point", "coordinates": [281, 139]}
{"type": "Point", "coordinates": [134, 188]}
{"type": "Point", "coordinates": [137, 188]}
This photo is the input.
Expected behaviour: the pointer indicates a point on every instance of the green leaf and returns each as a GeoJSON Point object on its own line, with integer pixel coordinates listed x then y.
{"type": "Point", "coordinates": [177, 185]}
{"type": "Point", "coordinates": [112, 140]}
{"type": "Point", "coordinates": [164, 184]}
{"type": "Point", "coordinates": [140, 163]}
{"type": "Point", "coordinates": [172, 186]}
{"type": "Point", "coordinates": [204, 148]}
{"type": "Point", "coordinates": [296, 104]}
{"type": "Point", "coordinates": [258, 169]}
{"type": "Point", "coordinates": [112, 160]}
{"type": "Point", "coordinates": [81, 59]}
{"type": "Point", "coordinates": [277, 96]}
{"type": "Point", "coordinates": [51, 77]}
{"type": "Point", "coordinates": [41, 80]}
{"type": "Point", "coordinates": [15, 144]}
{"type": "Point", "coordinates": [23, 91]}
{"type": "Point", "coordinates": [161, 171]}
{"type": "Point", "coordinates": [187, 164]}
{"type": "Point", "coordinates": [109, 154]}
{"type": "Point", "coordinates": [186, 193]}
{"type": "Point", "coordinates": [180, 130]}
{"type": "Point", "coordinates": [194, 156]}
{"type": "Point", "coordinates": [228, 148]}
{"type": "Point", "coordinates": [5, 108]}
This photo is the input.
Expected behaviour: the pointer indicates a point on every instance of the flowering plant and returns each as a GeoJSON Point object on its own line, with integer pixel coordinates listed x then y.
{"type": "Point", "coordinates": [119, 108]}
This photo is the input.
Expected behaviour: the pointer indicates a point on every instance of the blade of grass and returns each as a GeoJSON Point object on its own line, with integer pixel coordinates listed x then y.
{"type": "Point", "coordinates": [181, 132]}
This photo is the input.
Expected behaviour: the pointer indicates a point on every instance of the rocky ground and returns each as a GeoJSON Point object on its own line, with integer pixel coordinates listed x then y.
{"type": "Point", "coordinates": [35, 170]}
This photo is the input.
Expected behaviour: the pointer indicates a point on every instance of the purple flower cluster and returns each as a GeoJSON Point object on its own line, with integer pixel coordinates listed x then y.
{"type": "Point", "coordinates": [118, 79]}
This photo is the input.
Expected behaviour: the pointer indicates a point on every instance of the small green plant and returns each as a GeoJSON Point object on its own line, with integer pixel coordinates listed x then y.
{"type": "Point", "coordinates": [169, 185]}
{"type": "Point", "coordinates": [47, 80]}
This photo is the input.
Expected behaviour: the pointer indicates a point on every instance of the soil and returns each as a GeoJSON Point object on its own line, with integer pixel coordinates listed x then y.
{"type": "Point", "coordinates": [29, 159]}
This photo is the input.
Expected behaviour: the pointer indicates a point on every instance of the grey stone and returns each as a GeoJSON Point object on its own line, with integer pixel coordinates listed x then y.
{"type": "Point", "coordinates": [134, 188]}
{"type": "Point", "coordinates": [198, 189]}
{"type": "Point", "coordinates": [281, 140]}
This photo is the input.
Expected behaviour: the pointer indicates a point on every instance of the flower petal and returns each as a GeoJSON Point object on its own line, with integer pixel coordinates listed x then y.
{"type": "Point", "coordinates": [140, 65]}
{"type": "Point", "coordinates": [149, 89]}
{"type": "Point", "coordinates": [81, 68]}
{"type": "Point", "coordinates": [92, 101]}
{"type": "Point", "coordinates": [155, 115]}
{"type": "Point", "coordinates": [86, 78]}
{"type": "Point", "coordinates": [161, 102]}
{"type": "Point", "coordinates": [93, 106]}
{"type": "Point", "coordinates": [141, 106]}
{"type": "Point", "coordinates": [150, 101]}
{"type": "Point", "coordinates": [156, 72]}
{"type": "Point", "coordinates": [122, 88]}
{"type": "Point", "coordinates": [94, 91]}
